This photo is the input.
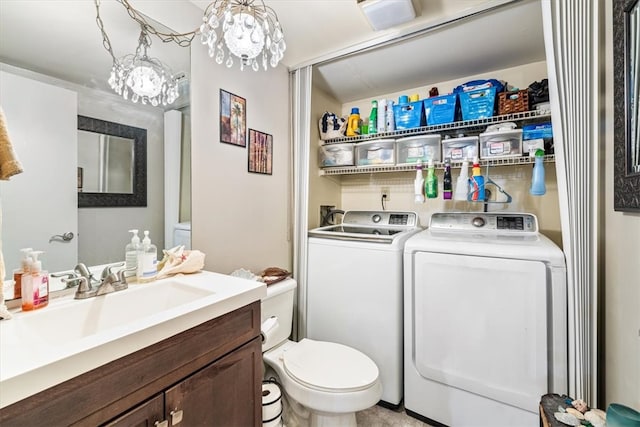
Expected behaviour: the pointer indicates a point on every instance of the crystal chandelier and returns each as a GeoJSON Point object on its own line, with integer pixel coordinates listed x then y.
{"type": "Point", "coordinates": [143, 78]}
{"type": "Point", "coordinates": [247, 29]}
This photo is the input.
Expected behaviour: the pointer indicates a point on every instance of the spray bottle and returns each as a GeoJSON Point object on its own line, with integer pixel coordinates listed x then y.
{"type": "Point", "coordinates": [431, 183]}
{"type": "Point", "coordinates": [447, 184]}
{"type": "Point", "coordinates": [462, 184]}
{"type": "Point", "coordinates": [373, 117]}
{"type": "Point", "coordinates": [538, 187]}
{"type": "Point", "coordinates": [477, 182]}
{"type": "Point", "coordinates": [418, 185]}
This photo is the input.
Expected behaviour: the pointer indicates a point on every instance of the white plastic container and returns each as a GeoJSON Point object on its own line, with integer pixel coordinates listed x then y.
{"type": "Point", "coordinates": [501, 144]}
{"type": "Point", "coordinates": [416, 149]}
{"type": "Point", "coordinates": [375, 153]}
{"type": "Point", "coordinates": [336, 155]}
{"type": "Point", "coordinates": [459, 149]}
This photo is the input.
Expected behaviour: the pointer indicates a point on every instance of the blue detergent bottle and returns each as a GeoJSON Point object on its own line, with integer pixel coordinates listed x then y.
{"type": "Point", "coordinates": [538, 187]}
{"type": "Point", "coordinates": [477, 182]}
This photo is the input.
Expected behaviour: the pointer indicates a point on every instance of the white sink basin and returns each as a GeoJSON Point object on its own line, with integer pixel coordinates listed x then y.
{"type": "Point", "coordinates": [79, 319]}
{"type": "Point", "coordinates": [45, 347]}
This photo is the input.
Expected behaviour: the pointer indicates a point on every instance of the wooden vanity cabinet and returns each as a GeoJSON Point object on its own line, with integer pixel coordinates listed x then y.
{"type": "Point", "coordinates": [208, 375]}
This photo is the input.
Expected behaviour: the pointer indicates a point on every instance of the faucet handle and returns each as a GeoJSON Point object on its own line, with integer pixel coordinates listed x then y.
{"type": "Point", "coordinates": [122, 274]}
{"type": "Point", "coordinates": [84, 287]}
{"type": "Point", "coordinates": [108, 270]}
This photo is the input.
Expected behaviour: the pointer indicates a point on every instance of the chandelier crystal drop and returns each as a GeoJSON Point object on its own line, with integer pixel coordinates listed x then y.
{"type": "Point", "coordinates": [246, 29]}
{"type": "Point", "coordinates": [141, 78]}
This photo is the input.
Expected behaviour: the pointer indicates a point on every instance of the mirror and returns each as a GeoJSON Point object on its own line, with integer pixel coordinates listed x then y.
{"type": "Point", "coordinates": [626, 47]}
{"type": "Point", "coordinates": [112, 164]}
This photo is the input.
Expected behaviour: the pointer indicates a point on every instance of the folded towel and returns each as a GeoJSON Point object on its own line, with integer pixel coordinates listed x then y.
{"type": "Point", "coordinates": [9, 163]}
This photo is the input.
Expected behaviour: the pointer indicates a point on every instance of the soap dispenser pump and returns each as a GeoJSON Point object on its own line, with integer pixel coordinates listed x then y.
{"type": "Point", "coordinates": [147, 260]}
{"type": "Point", "coordinates": [17, 274]}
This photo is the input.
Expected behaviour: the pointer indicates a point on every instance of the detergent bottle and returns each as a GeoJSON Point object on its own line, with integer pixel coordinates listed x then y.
{"type": "Point", "coordinates": [477, 182]}
{"type": "Point", "coordinates": [353, 124]}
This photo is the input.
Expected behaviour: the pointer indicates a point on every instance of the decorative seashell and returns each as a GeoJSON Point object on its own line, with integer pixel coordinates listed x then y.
{"type": "Point", "coordinates": [575, 413]}
{"type": "Point", "coordinates": [580, 405]}
{"type": "Point", "coordinates": [602, 414]}
{"type": "Point", "coordinates": [594, 419]}
{"type": "Point", "coordinates": [566, 418]}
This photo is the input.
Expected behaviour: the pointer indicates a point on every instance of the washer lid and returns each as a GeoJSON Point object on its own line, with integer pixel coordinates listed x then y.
{"type": "Point", "coordinates": [329, 366]}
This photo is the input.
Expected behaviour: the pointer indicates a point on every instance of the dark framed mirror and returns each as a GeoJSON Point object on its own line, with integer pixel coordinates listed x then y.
{"type": "Point", "coordinates": [112, 164]}
{"type": "Point", "coordinates": [626, 69]}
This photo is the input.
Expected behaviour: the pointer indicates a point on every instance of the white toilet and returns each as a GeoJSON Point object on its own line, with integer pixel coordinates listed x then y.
{"type": "Point", "coordinates": [325, 383]}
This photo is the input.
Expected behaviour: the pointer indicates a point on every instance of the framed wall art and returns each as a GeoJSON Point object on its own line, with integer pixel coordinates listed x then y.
{"type": "Point", "coordinates": [233, 119]}
{"type": "Point", "coordinates": [260, 152]}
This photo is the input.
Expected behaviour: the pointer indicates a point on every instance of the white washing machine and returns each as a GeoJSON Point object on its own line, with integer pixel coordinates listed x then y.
{"type": "Point", "coordinates": [485, 318]}
{"type": "Point", "coordinates": [354, 288]}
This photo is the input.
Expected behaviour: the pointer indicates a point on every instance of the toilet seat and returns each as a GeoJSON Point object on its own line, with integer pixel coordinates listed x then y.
{"type": "Point", "coordinates": [329, 366]}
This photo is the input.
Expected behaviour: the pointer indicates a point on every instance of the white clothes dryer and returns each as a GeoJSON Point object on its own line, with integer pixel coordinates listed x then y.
{"type": "Point", "coordinates": [354, 288]}
{"type": "Point", "coordinates": [485, 318]}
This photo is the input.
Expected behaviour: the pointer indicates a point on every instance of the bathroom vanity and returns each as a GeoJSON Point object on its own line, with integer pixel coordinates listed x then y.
{"type": "Point", "coordinates": [209, 373]}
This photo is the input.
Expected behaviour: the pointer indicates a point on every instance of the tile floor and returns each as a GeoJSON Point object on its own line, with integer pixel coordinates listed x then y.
{"type": "Point", "coordinates": [378, 416]}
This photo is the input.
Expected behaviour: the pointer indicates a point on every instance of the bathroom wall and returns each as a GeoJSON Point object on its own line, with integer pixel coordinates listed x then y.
{"type": "Point", "coordinates": [621, 252]}
{"type": "Point", "coordinates": [240, 219]}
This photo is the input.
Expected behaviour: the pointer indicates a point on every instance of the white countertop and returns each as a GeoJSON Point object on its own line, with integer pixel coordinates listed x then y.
{"type": "Point", "coordinates": [31, 362]}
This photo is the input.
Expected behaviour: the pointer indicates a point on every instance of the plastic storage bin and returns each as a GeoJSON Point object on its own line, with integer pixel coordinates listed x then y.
{"type": "Point", "coordinates": [459, 149]}
{"type": "Point", "coordinates": [336, 155]}
{"type": "Point", "coordinates": [414, 149]}
{"type": "Point", "coordinates": [409, 116]}
{"type": "Point", "coordinates": [440, 110]}
{"type": "Point", "coordinates": [478, 104]}
{"type": "Point", "coordinates": [376, 152]}
{"type": "Point", "coordinates": [501, 144]}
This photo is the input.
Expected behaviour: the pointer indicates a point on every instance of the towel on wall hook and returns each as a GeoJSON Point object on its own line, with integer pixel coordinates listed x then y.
{"type": "Point", "coordinates": [9, 163]}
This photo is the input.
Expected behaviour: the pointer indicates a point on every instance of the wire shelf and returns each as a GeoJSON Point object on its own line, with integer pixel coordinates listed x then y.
{"type": "Point", "coordinates": [470, 125]}
{"type": "Point", "coordinates": [507, 161]}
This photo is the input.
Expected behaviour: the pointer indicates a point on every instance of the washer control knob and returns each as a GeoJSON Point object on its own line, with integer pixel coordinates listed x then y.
{"type": "Point", "coordinates": [376, 218]}
{"type": "Point", "coordinates": [478, 222]}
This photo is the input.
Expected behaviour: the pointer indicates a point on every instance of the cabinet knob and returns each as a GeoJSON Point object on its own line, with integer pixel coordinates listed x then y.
{"type": "Point", "coordinates": [163, 423]}
{"type": "Point", "coordinates": [176, 417]}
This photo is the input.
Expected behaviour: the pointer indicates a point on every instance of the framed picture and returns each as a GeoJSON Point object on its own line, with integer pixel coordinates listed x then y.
{"type": "Point", "coordinates": [260, 152]}
{"type": "Point", "coordinates": [233, 119]}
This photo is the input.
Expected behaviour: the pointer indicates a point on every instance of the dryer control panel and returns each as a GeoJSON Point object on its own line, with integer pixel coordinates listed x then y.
{"type": "Point", "coordinates": [494, 222]}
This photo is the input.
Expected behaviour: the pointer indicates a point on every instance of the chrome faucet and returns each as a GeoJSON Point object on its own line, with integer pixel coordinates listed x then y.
{"type": "Point", "coordinates": [109, 282]}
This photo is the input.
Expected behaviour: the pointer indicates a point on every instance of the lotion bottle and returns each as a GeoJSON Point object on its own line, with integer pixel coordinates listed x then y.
{"type": "Point", "coordinates": [431, 183]}
{"type": "Point", "coordinates": [37, 290]}
{"type": "Point", "coordinates": [147, 260]}
{"type": "Point", "coordinates": [17, 273]}
{"type": "Point", "coordinates": [131, 254]}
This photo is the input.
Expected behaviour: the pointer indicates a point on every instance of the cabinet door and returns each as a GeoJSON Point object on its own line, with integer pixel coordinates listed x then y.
{"type": "Point", "coordinates": [144, 415]}
{"type": "Point", "coordinates": [225, 393]}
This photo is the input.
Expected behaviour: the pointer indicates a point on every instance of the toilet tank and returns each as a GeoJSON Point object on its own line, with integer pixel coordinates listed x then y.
{"type": "Point", "coordinates": [279, 303]}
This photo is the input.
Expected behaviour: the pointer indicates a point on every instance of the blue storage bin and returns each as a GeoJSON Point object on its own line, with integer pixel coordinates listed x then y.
{"type": "Point", "coordinates": [478, 104]}
{"type": "Point", "coordinates": [441, 109]}
{"type": "Point", "coordinates": [408, 116]}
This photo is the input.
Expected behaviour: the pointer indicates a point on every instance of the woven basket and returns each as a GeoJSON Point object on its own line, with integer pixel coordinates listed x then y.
{"type": "Point", "coordinates": [513, 102]}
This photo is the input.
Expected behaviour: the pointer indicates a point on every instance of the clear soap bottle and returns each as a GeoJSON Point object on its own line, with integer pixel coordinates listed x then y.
{"type": "Point", "coordinates": [147, 260]}
{"type": "Point", "coordinates": [35, 289]}
{"type": "Point", "coordinates": [131, 255]}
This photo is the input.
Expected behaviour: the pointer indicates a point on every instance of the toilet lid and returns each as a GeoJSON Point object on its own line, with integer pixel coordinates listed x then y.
{"type": "Point", "coordinates": [329, 366]}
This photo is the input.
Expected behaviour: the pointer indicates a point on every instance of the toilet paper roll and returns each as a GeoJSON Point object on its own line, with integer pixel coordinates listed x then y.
{"type": "Point", "coordinates": [271, 402]}
{"type": "Point", "coordinates": [269, 328]}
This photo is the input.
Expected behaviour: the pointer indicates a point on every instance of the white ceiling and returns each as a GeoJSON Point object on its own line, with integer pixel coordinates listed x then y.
{"type": "Point", "coordinates": [60, 38]}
